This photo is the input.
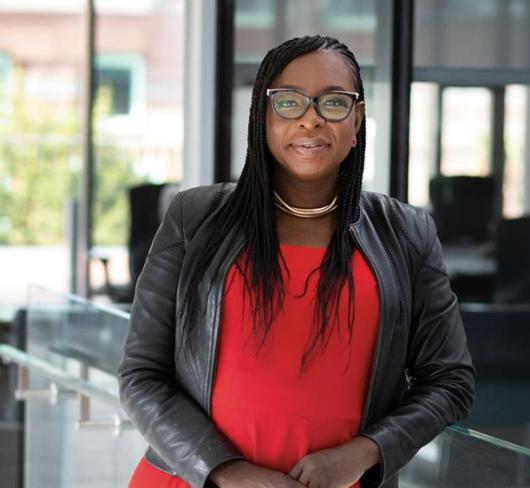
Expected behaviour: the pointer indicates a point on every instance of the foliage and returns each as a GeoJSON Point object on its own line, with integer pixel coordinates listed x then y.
{"type": "Point", "coordinates": [40, 162]}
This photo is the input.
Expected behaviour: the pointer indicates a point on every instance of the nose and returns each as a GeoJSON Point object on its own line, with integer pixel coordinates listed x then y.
{"type": "Point", "coordinates": [311, 118]}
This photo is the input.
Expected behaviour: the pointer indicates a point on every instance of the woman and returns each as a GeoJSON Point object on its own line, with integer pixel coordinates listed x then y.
{"type": "Point", "coordinates": [292, 330]}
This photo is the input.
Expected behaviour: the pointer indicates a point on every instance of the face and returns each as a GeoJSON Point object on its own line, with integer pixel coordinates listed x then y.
{"type": "Point", "coordinates": [311, 148]}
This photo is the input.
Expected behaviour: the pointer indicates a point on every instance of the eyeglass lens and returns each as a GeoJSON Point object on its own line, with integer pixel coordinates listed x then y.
{"type": "Point", "coordinates": [332, 106]}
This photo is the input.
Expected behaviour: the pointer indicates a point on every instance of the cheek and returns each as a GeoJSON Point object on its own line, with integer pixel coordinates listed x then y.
{"type": "Point", "coordinates": [274, 133]}
{"type": "Point", "coordinates": [345, 138]}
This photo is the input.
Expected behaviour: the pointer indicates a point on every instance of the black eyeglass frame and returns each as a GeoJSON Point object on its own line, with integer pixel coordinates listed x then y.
{"type": "Point", "coordinates": [313, 100]}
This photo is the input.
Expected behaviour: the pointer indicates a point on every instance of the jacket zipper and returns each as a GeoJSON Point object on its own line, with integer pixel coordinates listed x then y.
{"type": "Point", "coordinates": [375, 360]}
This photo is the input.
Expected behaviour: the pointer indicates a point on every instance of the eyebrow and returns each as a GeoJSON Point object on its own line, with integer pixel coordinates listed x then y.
{"type": "Point", "coordinates": [325, 89]}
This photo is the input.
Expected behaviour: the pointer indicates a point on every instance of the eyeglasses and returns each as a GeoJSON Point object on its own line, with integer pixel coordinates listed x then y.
{"type": "Point", "coordinates": [292, 104]}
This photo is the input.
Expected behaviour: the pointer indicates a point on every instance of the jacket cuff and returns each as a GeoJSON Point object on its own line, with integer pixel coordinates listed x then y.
{"type": "Point", "coordinates": [205, 481]}
{"type": "Point", "coordinates": [210, 459]}
{"type": "Point", "coordinates": [381, 472]}
{"type": "Point", "coordinates": [197, 476]}
{"type": "Point", "coordinates": [208, 483]}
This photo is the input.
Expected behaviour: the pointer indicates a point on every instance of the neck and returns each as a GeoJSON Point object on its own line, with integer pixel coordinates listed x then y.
{"type": "Point", "coordinates": [306, 194]}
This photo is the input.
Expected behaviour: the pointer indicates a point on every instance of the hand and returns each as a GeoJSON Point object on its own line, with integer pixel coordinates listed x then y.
{"type": "Point", "coordinates": [242, 474]}
{"type": "Point", "coordinates": [339, 467]}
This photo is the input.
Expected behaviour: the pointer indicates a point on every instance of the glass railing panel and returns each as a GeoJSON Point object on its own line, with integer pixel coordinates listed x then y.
{"type": "Point", "coordinates": [462, 458]}
{"type": "Point", "coordinates": [62, 327]}
{"type": "Point", "coordinates": [85, 341]}
{"type": "Point", "coordinates": [57, 455]}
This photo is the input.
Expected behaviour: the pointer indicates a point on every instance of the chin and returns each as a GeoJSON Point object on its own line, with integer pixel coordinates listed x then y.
{"type": "Point", "coordinates": [312, 170]}
{"type": "Point", "coordinates": [311, 176]}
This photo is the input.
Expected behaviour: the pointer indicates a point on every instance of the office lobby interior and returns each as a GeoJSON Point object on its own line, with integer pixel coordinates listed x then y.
{"type": "Point", "coordinates": [108, 109]}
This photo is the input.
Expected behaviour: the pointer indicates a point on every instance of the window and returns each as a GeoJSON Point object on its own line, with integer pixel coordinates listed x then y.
{"type": "Point", "coordinates": [120, 81]}
{"type": "Point", "coordinates": [117, 81]}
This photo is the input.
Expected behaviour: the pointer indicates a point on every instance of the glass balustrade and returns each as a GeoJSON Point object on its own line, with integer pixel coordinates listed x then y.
{"type": "Point", "coordinates": [463, 458]}
{"type": "Point", "coordinates": [77, 436]}
{"type": "Point", "coordinates": [84, 341]}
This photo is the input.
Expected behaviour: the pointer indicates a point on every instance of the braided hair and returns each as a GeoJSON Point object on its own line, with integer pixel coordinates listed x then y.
{"type": "Point", "coordinates": [250, 210]}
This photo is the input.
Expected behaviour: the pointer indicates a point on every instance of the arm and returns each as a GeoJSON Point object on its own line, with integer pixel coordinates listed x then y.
{"type": "Point", "coordinates": [439, 367]}
{"type": "Point", "coordinates": [337, 467]}
{"type": "Point", "coordinates": [242, 474]}
{"type": "Point", "coordinates": [441, 387]}
{"type": "Point", "coordinates": [175, 426]}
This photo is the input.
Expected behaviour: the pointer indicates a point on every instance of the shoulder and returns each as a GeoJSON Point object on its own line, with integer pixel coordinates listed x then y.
{"type": "Point", "coordinates": [201, 195]}
{"type": "Point", "coordinates": [198, 200]}
{"type": "Point", "coordinates": [406, 221]}
{"type": "Point", "coordinates": [190, 207]}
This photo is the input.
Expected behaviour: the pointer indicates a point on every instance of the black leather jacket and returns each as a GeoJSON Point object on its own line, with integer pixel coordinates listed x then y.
{"type": "Point", "coordinates": [422, 376]}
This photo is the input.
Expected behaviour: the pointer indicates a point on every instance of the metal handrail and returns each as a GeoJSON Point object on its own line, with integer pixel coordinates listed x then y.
{"type": "Point", "coordinates": [86, 391]}
{"type": "Point", "coordinates": [11, 354]}
{"type": "Point", "coordinates": [112, 310]}
{"type": "Point", "coordinates": [72, 386]}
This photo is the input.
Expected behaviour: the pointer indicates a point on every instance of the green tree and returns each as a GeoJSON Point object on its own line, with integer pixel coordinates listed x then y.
{"type": "Point", "coordinates": [40, 160]}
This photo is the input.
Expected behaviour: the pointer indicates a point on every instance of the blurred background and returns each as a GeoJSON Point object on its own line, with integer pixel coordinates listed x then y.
{"type": "Point", "coordinates": [108, 108]}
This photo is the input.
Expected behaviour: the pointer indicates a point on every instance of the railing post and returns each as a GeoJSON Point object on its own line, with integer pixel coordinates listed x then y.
{"type": "Point", "coordinates": [64, 386]}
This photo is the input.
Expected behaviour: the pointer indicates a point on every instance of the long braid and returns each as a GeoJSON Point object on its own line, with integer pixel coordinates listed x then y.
{"type": "Point", "coordinates": [250, 210]}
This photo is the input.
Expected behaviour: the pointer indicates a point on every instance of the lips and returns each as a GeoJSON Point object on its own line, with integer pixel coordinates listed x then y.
{"type": "Point", "coordinates": [310, 146]}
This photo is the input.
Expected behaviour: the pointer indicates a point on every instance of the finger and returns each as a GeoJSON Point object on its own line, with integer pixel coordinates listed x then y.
{"type": "Point", "coordinates": [304, 478]}
{"type": "Point", "coordinates": [295, 483]}
{"type": "Point", "coordinates": [296, 471]}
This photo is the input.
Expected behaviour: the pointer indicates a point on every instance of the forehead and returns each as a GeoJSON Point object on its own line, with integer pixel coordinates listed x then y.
{"type": "Point", "coordinates": [316, 71]}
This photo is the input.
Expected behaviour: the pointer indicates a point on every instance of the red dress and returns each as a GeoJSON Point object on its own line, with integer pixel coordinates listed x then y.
{"type": "Point", "coordinates": [271, 413]}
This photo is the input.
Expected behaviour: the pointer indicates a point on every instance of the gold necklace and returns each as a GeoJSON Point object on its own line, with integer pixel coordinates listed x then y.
{"type": "Point", "coordinates": [304, 213]}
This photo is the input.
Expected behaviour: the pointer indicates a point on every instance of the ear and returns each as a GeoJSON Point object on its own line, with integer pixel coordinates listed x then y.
{"type": "Point", "coordinates": [359, 115]}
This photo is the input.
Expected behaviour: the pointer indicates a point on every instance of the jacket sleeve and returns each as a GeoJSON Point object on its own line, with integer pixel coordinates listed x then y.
{"type": "Point", "coordinates": [172, 423]}
{"type": "Point", "coordinates": [439, 368]}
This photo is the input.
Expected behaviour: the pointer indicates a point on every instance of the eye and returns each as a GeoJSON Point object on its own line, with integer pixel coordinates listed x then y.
{"type": "Point", "coordinates": [334, 101]}
{"type": "Point", "coordinates": [287, 103]}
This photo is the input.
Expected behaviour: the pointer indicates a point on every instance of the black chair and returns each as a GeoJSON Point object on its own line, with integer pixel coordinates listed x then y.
{"type": "Point", "coordinates": [147, 206]}
{"type": "Point", "coordinates": [498, 337]}
{"type": "Point", "coordinates": [463, 207]}
{"type": "Point", "coordinates": [512, 282]}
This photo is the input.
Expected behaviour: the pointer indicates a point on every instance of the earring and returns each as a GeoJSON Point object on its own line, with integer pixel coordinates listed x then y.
{"type": "Point", "coordinates": [354, 141]}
